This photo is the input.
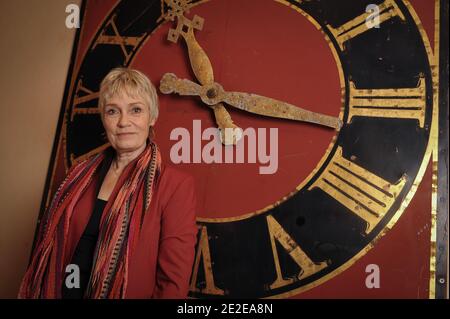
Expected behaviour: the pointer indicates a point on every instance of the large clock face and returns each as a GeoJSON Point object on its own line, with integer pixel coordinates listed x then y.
{"type": "Point", "coordinates": [334, 193]}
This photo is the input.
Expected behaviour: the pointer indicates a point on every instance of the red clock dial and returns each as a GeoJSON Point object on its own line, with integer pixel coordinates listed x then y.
{"type": "Point", "coordinates": [279, 54]}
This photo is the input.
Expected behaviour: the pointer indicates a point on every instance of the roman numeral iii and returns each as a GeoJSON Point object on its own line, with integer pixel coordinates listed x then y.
{"type": "Point", "coordinates": [404, 103]}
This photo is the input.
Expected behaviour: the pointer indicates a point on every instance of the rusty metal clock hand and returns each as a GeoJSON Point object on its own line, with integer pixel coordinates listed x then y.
{"type": "Point", "coordinates": [201, 65]}
{"type": "Point", "coordinates": [214, 93]}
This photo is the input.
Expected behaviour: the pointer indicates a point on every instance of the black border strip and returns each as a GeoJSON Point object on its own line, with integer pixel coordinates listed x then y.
{"type": "Point", "coordinates": [442, 182]}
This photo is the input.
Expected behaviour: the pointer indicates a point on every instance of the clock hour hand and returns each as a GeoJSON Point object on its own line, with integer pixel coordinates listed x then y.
{"type": "Point", "coordinates": [202, 68]}
{"type": "Point", "coordinates": [214, 93]}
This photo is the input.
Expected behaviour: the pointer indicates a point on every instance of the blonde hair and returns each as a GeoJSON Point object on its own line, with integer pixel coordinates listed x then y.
{"type": "Point", "coordinates": [132, 82]}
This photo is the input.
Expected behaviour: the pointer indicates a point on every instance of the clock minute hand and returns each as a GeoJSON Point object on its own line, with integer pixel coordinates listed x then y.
{"type": "Point", "coordinates": [170, 83]}
{"type": "Point", "coordinates": [214, 93]}
{"type": "Point", "coordinates": [270, 107]}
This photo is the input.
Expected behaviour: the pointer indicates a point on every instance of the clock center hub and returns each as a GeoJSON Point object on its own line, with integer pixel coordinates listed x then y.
{"type": "Point", "coordinates": [211, 93]}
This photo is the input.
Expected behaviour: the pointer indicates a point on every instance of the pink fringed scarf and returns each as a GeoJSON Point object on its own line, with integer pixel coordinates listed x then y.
{"type": "Point", "coordinates": [119, 227]}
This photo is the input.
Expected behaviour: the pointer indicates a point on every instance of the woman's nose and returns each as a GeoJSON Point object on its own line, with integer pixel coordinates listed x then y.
{"type": "Point", "coordinates": [124, 120]}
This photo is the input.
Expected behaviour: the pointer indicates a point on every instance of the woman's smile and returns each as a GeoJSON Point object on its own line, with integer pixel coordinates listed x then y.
{"type": "Point", "coordinates": [125, 134]}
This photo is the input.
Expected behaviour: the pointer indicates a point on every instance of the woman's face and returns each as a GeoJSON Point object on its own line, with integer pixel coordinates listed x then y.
{"type": "Point", "coordinates": [126, 121]}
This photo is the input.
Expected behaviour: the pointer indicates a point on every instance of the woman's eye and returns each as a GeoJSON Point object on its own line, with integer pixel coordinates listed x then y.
{"type": "Point", "coordinates": [111, 112]}
{"type": "Point", "coordinates": [137, 110]}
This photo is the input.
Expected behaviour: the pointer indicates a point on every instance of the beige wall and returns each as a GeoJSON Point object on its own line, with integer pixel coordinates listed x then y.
{"type": "Point", "coordinates": [34, 59]}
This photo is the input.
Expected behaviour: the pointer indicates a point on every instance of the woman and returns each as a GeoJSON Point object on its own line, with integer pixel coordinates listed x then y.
{"type": "Point", "coordinates": [123, 218]}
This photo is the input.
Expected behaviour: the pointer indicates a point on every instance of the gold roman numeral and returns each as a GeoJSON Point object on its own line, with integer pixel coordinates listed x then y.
{"type": "Point", "coordinates": [83, 95]}
{"type": "Point", "coordinates": [365, 194]}
{"type": "Point", "coordinates": [117, 39]}
{"type": "Point", "coordinates": [406, 103]}
{"type": "Point", "coordinates": [308, 267]}
{"type": "Point", "coordinates": [203, 252]}
{"type": "Point", "coordinates": [87, 95]}
{"type": "Point", "coordinates": [387, 10]}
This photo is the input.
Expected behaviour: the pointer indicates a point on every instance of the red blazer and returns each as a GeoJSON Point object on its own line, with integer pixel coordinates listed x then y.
{"type": "Point", "coordinates": [162, 259]}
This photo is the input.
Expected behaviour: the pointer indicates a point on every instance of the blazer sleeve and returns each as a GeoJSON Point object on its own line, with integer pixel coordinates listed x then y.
{"type": "Point", "coordinates": [177, 243]}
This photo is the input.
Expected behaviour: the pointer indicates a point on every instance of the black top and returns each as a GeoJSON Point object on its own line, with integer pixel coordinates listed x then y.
{"type": "Point", "coordinates": [84, 252]}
